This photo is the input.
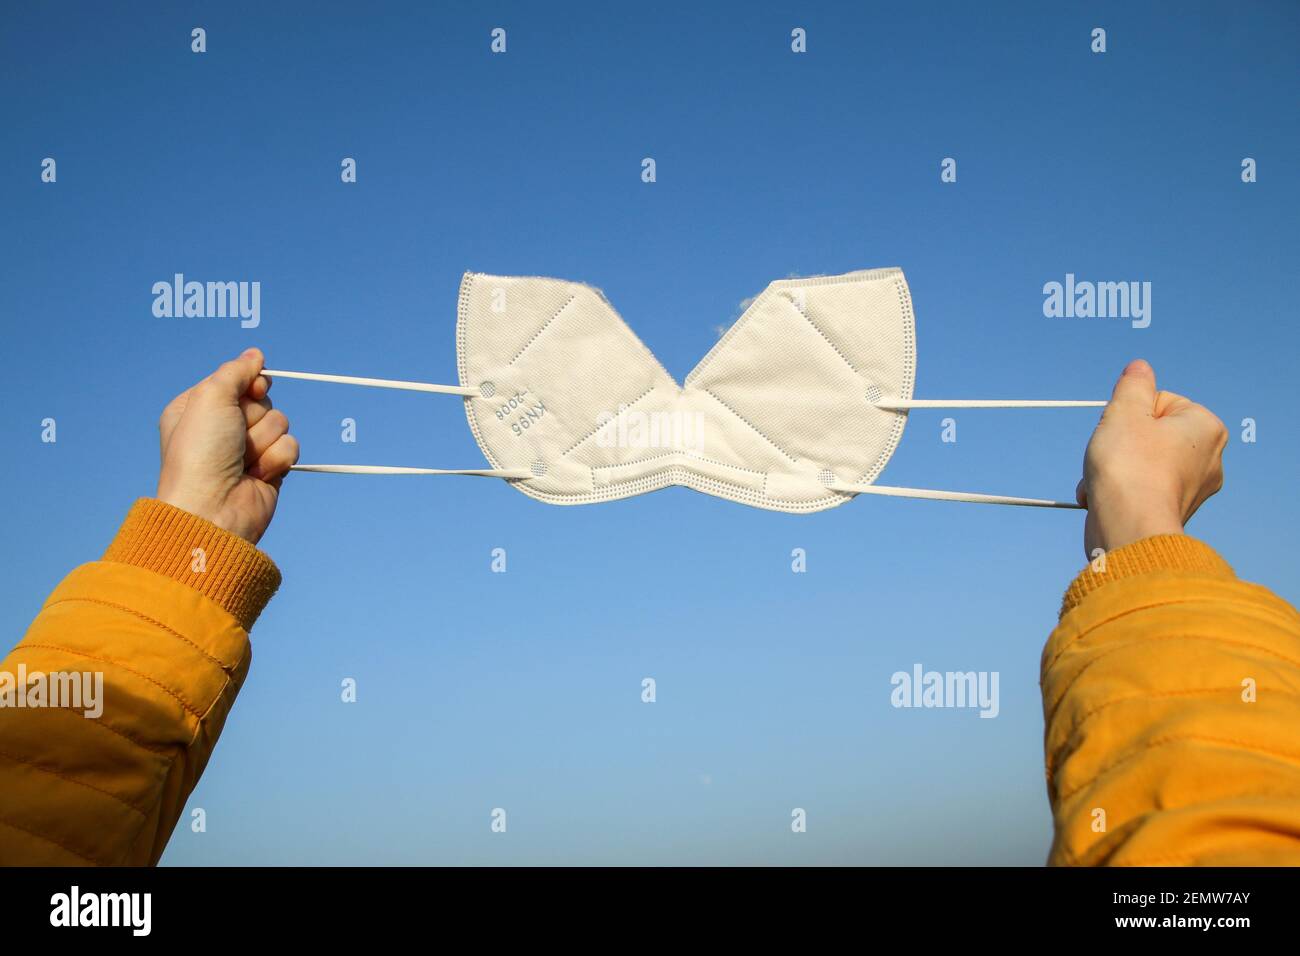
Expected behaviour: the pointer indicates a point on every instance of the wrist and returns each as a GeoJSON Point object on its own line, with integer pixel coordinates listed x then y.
{"type": "Point", "coordinates": [194, 504]}
{"type": "Point", "coordinates": [206, 506]}
{"type": "Point", "coordinates": [1120, 526]}
{"type": "Point", "coordinates": [1125, 510]}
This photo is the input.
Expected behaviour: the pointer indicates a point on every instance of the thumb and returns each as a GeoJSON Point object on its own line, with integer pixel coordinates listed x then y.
{"type": "Point", "coordinates": [233, 378]}
{"type": "Point", "coordinates": [1171, 403]}
{"type": "Point", "coordinates": [1135, 392]}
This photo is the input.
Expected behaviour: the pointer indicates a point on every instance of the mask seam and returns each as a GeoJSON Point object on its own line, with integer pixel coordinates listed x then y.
{"type": "Point", "coordinates": [909, 381]}
{"type": "Point", "coordinates": [688, 454]}
{"type": "Point", "coordinates": [793, 459]}
{"type": "Point", "coordinates": [678, 477]}
{"type": "Point", "coordinates": [868, 275]}
{"type": "Point", "coordinates": [827, 338]}
{"type": "Point", "coordinates": [596, 430]}
{"type": "Point", "coordinates": [462, 323]}
{"type": "Point", "coordinates": [538, 334]}
{"type": "Point", "coordinates": [637, 339]}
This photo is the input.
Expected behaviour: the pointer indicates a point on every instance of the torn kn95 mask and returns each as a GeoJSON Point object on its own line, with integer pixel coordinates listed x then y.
{"type": "Point", "coordinates": [797, 408]}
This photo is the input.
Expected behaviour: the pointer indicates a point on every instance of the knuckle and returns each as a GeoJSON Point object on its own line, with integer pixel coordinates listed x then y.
{"type": "Point", "coordinates": [1210, 421]}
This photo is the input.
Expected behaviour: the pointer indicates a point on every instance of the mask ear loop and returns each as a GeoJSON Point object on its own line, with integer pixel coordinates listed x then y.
{"type": "Point", "coordinates": [376, 382]}
{"type": "Point", "coordinates": [833, 483]}
{"type": "Point", "coordinates": [510, 474]}
{"type": "Point", "coordinates": [904, 404]}
{"type": "Point", "coordinates": [933, 493]}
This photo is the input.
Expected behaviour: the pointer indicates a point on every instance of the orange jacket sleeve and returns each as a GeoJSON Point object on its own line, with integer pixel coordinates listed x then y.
{"type": "Point", "coordinates": [1171, 698]}
{"type": "Point", "coordinates": [164, 617]}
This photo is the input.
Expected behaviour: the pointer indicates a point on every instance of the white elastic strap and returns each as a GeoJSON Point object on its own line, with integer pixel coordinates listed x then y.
{"type": "Point", "coordinates": [508, 473]}
{"type": "Point", "coordinates": [898, 404]}
{"type": "Point", "coordinates": [511, 473]}
{"type": "Point", "coordinates": [523, 473]}
{"type": "Point", "coordinates": [901, 404]}
{"type": "Point", "coordinates": [893, 492]}
{"type": "Point", "coordinates": [375, 382]}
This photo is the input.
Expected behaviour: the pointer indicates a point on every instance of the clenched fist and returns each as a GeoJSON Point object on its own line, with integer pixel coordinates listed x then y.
{"type": "Point", "coordinates": [225, 450]}
{"type": "Point", "coordinates": [1153, 460]}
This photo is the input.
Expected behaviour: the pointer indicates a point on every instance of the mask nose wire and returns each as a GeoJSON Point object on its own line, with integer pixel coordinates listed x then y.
{"type": "Point", "coordinates": [512, 474]}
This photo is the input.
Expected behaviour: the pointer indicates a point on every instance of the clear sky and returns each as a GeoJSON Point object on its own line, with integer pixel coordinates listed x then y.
{"type": "Point", "coordinates": [522, 690]}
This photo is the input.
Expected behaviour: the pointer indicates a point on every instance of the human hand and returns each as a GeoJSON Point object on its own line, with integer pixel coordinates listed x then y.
{"type": "Point", "coordinates": [225, 450]}
{"type": "Point", "coordinates": [1153, 460]}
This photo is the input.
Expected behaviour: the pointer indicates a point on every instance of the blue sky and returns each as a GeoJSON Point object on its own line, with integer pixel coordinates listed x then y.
{"type": "Point", "coordinates": [522, 690]}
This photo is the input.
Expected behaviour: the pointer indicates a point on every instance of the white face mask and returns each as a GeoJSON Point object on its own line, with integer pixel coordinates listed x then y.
{"type": "Point", "coordinates": [797, 408]}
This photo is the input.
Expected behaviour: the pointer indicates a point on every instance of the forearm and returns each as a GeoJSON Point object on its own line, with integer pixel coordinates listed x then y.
{"type": "Point", "coordinates": [1171, 695]}
{"type": "Point", "coordinates": [164, 617]}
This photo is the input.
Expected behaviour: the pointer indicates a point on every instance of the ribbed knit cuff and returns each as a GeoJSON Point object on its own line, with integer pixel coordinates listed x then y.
{"type": "Point", "coordinates": [1163, 552]}
{"type": "Point", "coordinates": [161, 538]}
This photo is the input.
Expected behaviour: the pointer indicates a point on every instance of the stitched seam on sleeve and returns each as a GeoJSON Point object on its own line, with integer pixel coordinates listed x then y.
{"type": "Point", "coordinates": [144, 617]}
{"type": "Point", "coordinates": [1115, 617]}
{"type": "Point", "coordinates": [129, 738]}
{"type": "Point", "coordinates": [73, 780]}
{"type": "Point", "coordinates": [1163, 860]}
{"type": "Point", "coordinates": [1053, 763]}
{"type": "Point", "coordinates": [50, 840]}
{"type": "Point", "coordinates": [1163, 637]}
{"type": "Point", "coordinates": [1102, 623]}
{"type": "Point", "coordinates": [217, 698]}
{"type": "Point", "coordinates": [190, 708]}
{"type": "Point", "coordinates": [171, 761]}
{"type": "Point", "coordinates": [1182, 738]}
{"type": "Point", "coordinates": [1068, 857]}
{"type": "Point", "coordinates": [141, 830]}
